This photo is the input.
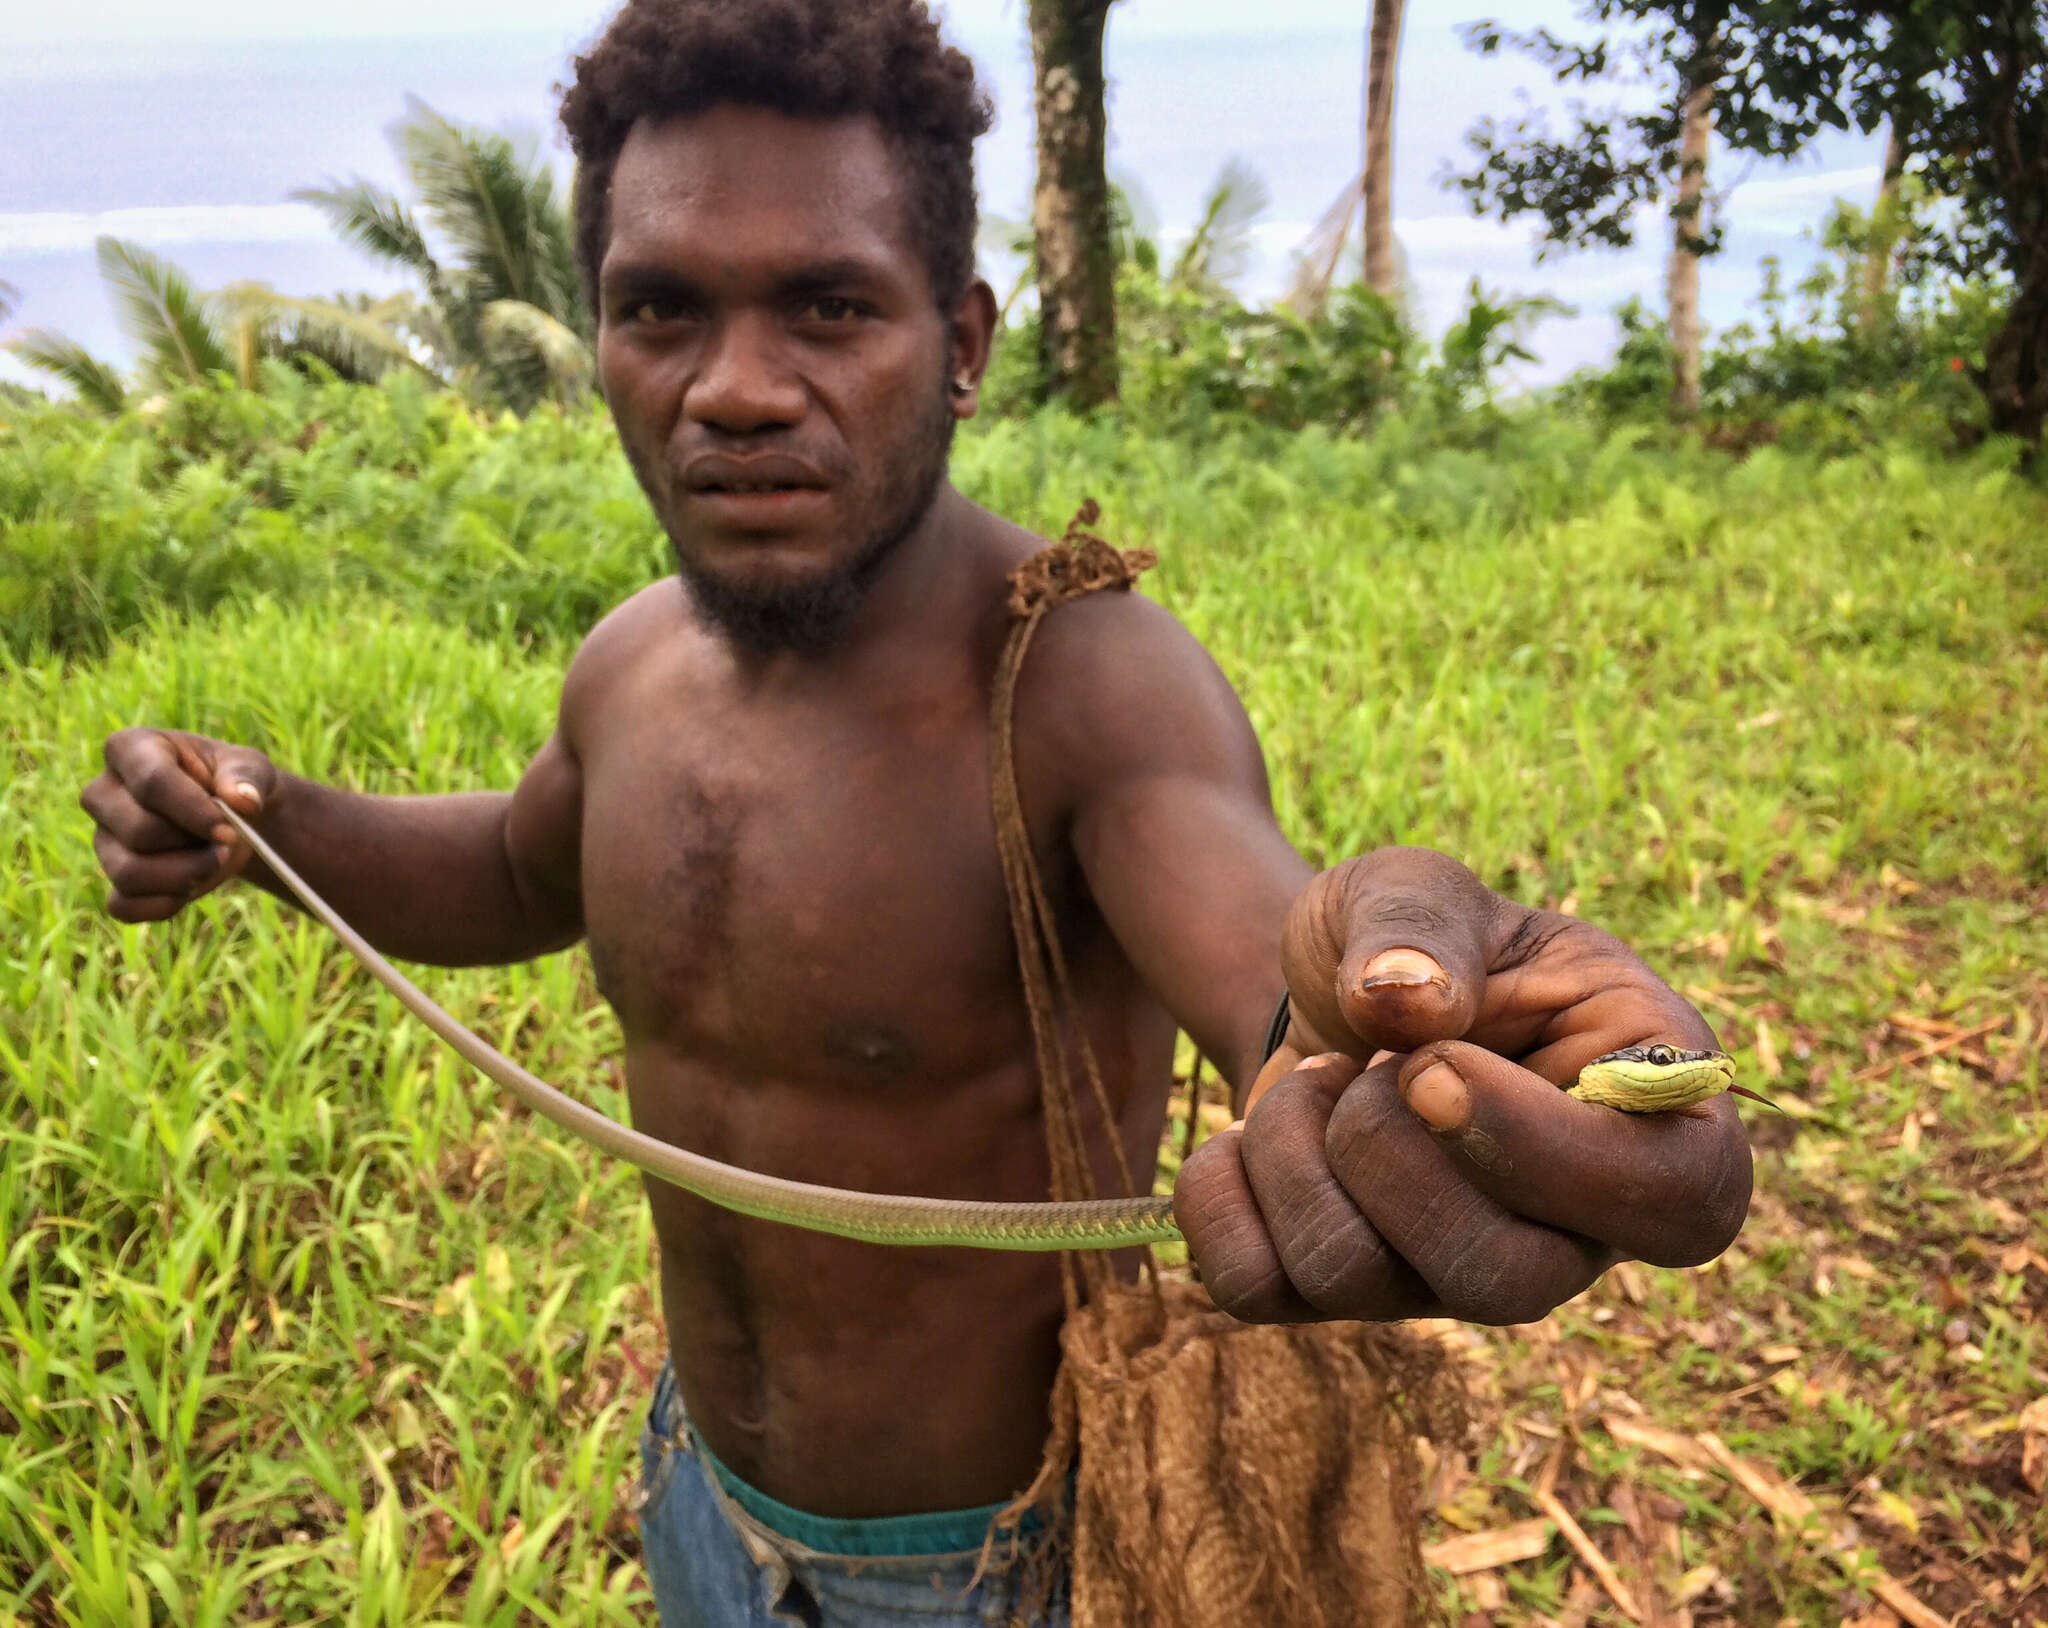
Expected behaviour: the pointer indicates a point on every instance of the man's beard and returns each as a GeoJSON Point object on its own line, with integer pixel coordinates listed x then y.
{"type": "Point", "coordinates": [809, 618]}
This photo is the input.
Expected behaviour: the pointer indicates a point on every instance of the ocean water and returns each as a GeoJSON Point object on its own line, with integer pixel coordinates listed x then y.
{"type": "Point", "coordinates": [193, 150]}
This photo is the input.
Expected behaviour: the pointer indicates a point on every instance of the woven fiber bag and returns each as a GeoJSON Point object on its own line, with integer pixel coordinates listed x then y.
{"type": "Point", "coordinates": [1223, 1473]}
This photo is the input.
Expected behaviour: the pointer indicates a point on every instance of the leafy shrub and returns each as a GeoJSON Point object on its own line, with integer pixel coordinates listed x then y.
{"type": "Point", "coordinates": [1829, 361]}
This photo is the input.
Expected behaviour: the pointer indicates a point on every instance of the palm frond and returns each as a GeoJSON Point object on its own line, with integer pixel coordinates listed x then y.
{"type": "Point", "coordinates": [10, 297]}
{"type": "Point", "coordinates": [1316, 261]}
{"type": "Point", "coordinates": [359, 338]}
{"type": "Point", "coordinates": [97, 383]}
{"type": "Point", "coordinates": [1220, 250]}
{"type": "Point", "coordinates": [517, 334]}
{"type": "Point", "coordinates": [474, 190]}
{"type": "Point", "coordinates": [1133, 222]}
{"type": "Point", "coordinates": [163, 313]}
{"type": "Point", "coordinates": [376, 222]}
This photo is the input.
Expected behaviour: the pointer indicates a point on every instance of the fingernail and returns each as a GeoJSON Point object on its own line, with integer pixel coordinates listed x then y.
{"type": "Point", "coordinates": [224, 835]}
{"type": "Point", "coordinates": [222, 853]}
{"type": "Point", "coordinates": [1401, 969]}
{"type": "Point", "coordinates": [250, 794]}
{"type": "Point", "coordinates": [1439, 1098]}
{"type": "Point", "coordinates": [1320, 1059]}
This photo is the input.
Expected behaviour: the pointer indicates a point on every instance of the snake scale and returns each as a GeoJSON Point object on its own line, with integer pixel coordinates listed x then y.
{"type": "Point", "coordinates": [1637, 1079]}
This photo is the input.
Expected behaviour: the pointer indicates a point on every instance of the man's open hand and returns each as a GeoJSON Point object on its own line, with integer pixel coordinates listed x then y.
{"type": "Point", "coordinates": [1453, 1177]}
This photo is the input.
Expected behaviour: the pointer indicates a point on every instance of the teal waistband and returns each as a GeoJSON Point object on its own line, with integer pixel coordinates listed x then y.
{"type": "Point", "coordinates": [938, 1532]}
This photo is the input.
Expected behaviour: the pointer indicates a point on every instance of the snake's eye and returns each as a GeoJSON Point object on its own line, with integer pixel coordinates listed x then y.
{"type": "Point", "coordinates": [1663, 1056]}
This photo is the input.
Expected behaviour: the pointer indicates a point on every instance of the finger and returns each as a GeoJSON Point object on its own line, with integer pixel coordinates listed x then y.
{"type": "Point", "coordinates": [1482, 1262]}
{"type": "Point", "coordinates": [1392, 949]}
{"type": "Point", "coordinates": [132, 825]}
{"type": "Point", "coordinates": [1300, 1042]}
{"type": "Point", "coordinates": [1561, 992]}
{"type": "Point", "coordinates": [1329, 1251]}
{"type": "Point", "coordinates": [1671, 1188]}
{"type": "Point", "coordinates": [135, 911]}
{"type": "Point", "coordinates": [155, 772]}
{"type": "Point", "coordinates": [179, 875]}
{"type": "Point", "coordinates": [1275, 1069]}
{"type": "Point", "coordinates": [1227, 1238]}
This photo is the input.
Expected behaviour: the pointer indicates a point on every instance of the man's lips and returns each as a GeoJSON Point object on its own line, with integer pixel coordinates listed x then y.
{"type": "Point", "coordinates": [765, 474]}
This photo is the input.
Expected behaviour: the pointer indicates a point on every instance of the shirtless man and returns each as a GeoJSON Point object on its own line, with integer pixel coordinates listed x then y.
{"type": "Point", "coordinates": [765, 807]}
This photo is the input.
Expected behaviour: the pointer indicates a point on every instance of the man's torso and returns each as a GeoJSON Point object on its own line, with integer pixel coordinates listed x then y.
{"type": "Point", "coordinates": [792, 898]}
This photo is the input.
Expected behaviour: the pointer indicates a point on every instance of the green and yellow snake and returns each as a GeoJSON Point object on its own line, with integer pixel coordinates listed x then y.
{"type": "Point", "coordinates": [1638, 1079]}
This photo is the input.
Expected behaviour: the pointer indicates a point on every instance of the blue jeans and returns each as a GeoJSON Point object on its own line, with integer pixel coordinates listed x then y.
{"type": "Point", "coordinates": [715, 1563]}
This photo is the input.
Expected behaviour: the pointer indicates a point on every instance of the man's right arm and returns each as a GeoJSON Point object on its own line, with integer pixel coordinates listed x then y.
{"type": "Point", "coordinates": [470, 879]}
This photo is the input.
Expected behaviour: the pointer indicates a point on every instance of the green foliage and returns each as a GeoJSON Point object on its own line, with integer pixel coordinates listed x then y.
{"type": "Point", "coordinates": [1965, 89]}
{"type": "Point", "coordinates": [1825, 357]}
{"type": "Point", "coordinates": [1188, 358]}
{"type": "Point", "coordinates": [299, 1323]}
{"type": "Point", "coordinates": [313, 487]}
{"type": "Point", "coordinates": [1194, 360]}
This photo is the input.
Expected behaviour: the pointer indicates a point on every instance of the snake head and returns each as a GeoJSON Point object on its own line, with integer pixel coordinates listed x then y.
{"type": "Point", "coordinates": [1655, 1078]}
{"type": "Point", "coordinates": [1662, 1056]}
{"type": "Point", "coordinates": [1654, 1073]}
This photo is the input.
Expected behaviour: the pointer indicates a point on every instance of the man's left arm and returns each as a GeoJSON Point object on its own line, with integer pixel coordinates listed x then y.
{"type": "Point", "coordinates": [1451, 1176]}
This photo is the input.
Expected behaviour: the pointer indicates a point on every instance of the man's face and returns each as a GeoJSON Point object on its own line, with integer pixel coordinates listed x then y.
{"type": "Point", "coordinates": [773, 355]}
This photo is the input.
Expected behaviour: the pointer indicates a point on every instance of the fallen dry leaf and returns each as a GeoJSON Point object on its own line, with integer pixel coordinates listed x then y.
{"type": "Point", "coordinates": [1485, 1551]}
{"type": "Point", "coordinates": [1589, 1552]}
{"type": "Point", "coordinates": [1766, 1052]}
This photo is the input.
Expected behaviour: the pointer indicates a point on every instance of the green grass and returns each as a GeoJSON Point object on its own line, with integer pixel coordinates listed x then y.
{"type": "Point", "coordinates": [299, 1323]}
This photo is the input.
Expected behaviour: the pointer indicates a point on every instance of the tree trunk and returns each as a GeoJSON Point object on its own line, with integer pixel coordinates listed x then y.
{"type": "Point", "coordinates": [1070, 204]}
{"type": "Point", "coordinates": [2015, 374]}
{"type": "Point", "coordinates": [1381, 271]}
{"type": "Point", "coordinates": [1884, 236]}
{"type": "Point", "coordinates": [1683, 282]}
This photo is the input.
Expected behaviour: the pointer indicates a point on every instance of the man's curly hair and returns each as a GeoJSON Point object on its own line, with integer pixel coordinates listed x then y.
{"type": "Point", "coordinates": [822, 59]}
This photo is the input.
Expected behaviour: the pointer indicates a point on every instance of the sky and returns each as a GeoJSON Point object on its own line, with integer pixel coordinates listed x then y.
{"type": "Point", "coordinates": [184, 127]}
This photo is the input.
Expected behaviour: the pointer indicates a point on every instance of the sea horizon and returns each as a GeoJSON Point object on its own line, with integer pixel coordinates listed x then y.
{"type": "Point", "coordinates": [192, 150]}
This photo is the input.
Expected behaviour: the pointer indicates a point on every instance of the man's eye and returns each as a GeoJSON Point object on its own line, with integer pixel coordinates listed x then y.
{"type": "Point", "coordinates": [830, 308]}
{"type": "Point", "coordinates": [653, 311]}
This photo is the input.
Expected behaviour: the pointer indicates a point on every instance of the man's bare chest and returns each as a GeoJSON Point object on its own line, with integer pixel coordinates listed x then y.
{"type": "Point", "coordinates": [807, 901]}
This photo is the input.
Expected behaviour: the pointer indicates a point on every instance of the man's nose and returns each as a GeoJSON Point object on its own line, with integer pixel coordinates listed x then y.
{"type": "Point", "coordinates": [745, 382]}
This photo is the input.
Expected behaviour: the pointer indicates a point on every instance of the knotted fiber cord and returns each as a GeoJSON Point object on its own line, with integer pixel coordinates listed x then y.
{"type": "Point", "coordinates": [1078, 565]}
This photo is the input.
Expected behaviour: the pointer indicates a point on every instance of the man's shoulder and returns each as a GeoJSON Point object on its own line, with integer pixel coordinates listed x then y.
{"type": "Point", "coordinates": [1116, 684]}
{"type": "Point", "coordinates": [1117, 645]}
{"type": "Point", "coordinates": [649, 619]}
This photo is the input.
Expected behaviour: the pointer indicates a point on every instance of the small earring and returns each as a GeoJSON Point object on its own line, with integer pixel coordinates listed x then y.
{"type": "Point", "coordinates": [963, 387]}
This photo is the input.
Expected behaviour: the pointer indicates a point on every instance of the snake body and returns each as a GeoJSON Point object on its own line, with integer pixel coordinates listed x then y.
{"type": "Point", "coordinates": [1638, 1079]}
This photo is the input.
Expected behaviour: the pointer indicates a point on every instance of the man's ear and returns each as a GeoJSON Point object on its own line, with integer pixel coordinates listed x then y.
{"type": "Point", "coordinates": [973, 329]}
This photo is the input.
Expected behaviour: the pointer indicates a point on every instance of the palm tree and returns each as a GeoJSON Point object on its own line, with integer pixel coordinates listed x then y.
{"type": "Point", "coordinates": [502, 308]}
{"type": "Point", "coordinates": [1383, 51]}
{"type": "Point", "coordinates": [185, 337]}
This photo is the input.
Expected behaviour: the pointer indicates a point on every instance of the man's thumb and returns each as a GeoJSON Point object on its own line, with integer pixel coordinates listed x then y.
{"type": "Point", "coordinates": [244, 781]}
{"type": "Point", "coordinates": [1415, 927]}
